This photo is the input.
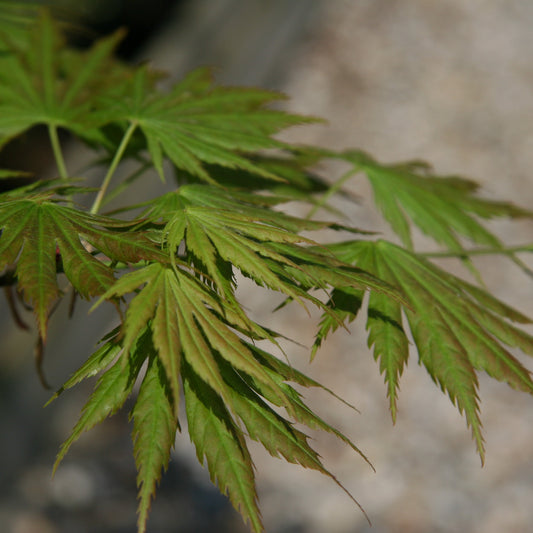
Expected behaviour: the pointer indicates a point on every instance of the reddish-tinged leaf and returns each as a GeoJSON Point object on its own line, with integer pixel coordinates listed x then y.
{"type": "Point", "coordinates": [43, 238]}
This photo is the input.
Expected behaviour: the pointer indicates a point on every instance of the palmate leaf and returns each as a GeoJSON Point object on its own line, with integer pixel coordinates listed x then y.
{"type": "Point", "coordinates": [41, 237]}
{"type": "Point", "coordinates": [236, 228]}
{"type": "Point", "coordinates": [196, 123]}
{"type": "Point", "coordinates": [457, 328]}
{"type": "Point", "coordinates": [224, 378]}
{"type": "Point", "coordinates": [183, 316]}
{"type": "Point", "coordinates": [445, 208]}
{"type": "Point", "coordinates": [227, 228]}
{"type": "Point", "coordinates": [44, 82]}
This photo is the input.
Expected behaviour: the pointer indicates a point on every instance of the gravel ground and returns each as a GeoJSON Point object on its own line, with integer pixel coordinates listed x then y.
{"type": "Point", "coordinates": [447, 82]}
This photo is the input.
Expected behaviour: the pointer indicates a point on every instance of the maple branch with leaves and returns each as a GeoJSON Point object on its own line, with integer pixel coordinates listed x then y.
{"type": "Point", "coordinates": [170, 270]}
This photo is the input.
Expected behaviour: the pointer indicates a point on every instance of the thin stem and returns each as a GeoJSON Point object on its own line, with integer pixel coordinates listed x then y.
{"type": "Point", "coordinates": [481, 251]}
{"type": "Point", "coordinates": [58, 154]}
{"type": "Point", "coordinates": [126, 183]}
{"type": "Point", "coordinates": [116, 160]}
{"type": "Point", "coordinates": [331, 191]}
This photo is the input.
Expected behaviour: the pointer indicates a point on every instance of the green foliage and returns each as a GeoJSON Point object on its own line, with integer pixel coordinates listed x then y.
{"type": "Point", "coordinates": [457, 328]}
{"type": "Point", "coordinates": [441, 206]}
{"type": "Point", "coordinates": [185, 338]}
{"type": "Point", "coordinates": [38, 233]}
{"type": "Point", "coordinates": [42, 81]}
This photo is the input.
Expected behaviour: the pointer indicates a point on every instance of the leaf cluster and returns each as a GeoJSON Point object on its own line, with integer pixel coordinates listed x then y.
{"type": "Point", "coordinates": [170, 264]}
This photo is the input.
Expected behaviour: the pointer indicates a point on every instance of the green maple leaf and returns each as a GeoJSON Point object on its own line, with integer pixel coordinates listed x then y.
{"type": "Point", "coordinates": [41, 237]}
{"type": "Point", "coordinates": [445, 208]}
{"type": "Point", "coordinates": [225, 229]}
{"type": "Point", "coordinates": [198, 338]}
{"type": "Point", "coordinates": [44, 82]}
{"type": "Point", "coordinates": [196, 123]}
{"type": "Point", "coordinates": [237, 229]}
{"type": "Point", "coordinates": [185, 317]}
{"type": "Point", "coordinates": [457, 327]}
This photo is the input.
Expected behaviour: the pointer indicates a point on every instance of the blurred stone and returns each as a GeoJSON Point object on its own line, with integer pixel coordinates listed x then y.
{"type": "Point", "coordinates": [32, 523]}
{"type": "Point", "coordinates": [73, 486]}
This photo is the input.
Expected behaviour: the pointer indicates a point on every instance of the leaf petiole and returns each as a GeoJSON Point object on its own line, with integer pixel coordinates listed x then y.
{"type": "Point", "coordinates": [116, 160]}
{"type": "Point", "coordinates": [479, 251]}
{"type": "Point", "coordinates": [335, 188]}
{"type": "Point", "coordinates": [127, 182]}
{"type": "Point", "coordinates": [56, 148]}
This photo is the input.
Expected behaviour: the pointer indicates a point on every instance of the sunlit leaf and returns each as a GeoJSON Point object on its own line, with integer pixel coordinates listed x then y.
{"type": "Point", "coordinates": [197, 123]}
{"type": "Point", "coordinates": [457, 328]}
{"type": "Point", "coordinates": [443, 207]}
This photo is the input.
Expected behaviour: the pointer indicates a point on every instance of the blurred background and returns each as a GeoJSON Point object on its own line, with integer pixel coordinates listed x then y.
{"type": "Point", "coordinates": [448, 82]}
